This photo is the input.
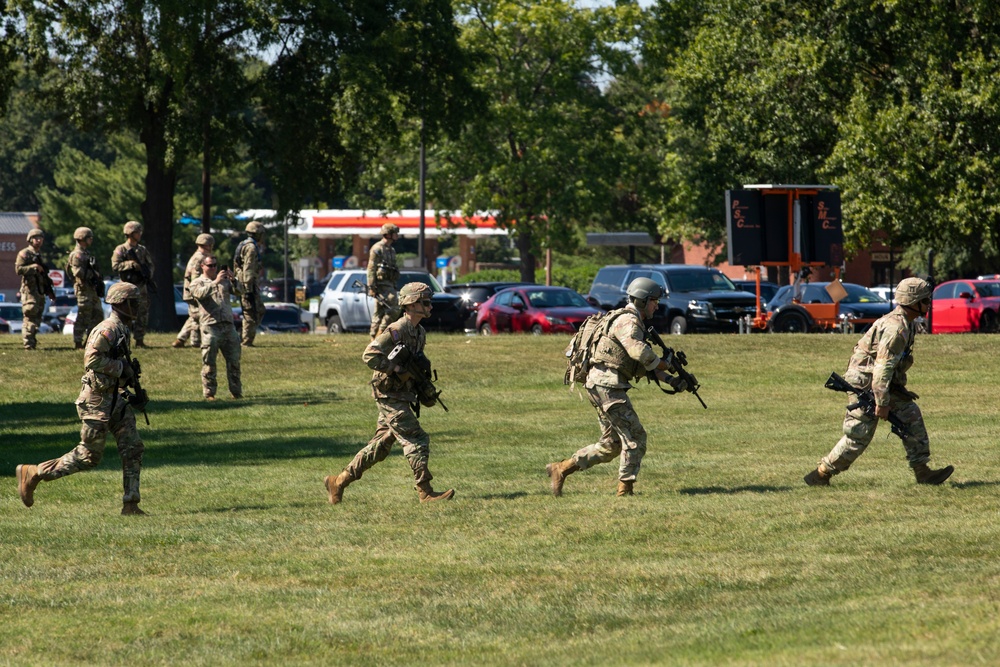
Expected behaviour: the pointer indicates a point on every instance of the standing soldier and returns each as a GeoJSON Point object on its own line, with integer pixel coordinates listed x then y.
{"type": "Point", "coordinates": [212, 292]}
{"type": "Point", "coordinates": [134, 264]}
{"type": "Point", "coordinates": [103, 405]}
{"type": "Point", "coordinates": [248, 271]}
{"type": "Point", "coordinates": [621, 354]}
{"type": "Point", "coordinates": [396, 392]}
{"type": "Point", "coordinates": [35, 284]}
{"type": "Point", "coordinates": [879, 363]}
{"type": "Point", "coordinates": [88, 285]}
{"type": "Point", "coordinates": [192, 326]}
{"type": "Point", "coordinates": [382, 276]}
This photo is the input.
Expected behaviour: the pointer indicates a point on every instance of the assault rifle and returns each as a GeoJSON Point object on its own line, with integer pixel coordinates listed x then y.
{"type": "Point", "coordinates": [418, 366]}
{"type": "Point", "coordinates": [676, 361]}
{"type": "Point", "coordinates": [866, 400]}
{"type": "Point", "coordinates": [43, 277]}
{"type": "Point", "coordinates": [94, 277]}
{"type": "Point", "coordinates": [137, 398]}
{"type": "Point", "coordinates": [140, 276]}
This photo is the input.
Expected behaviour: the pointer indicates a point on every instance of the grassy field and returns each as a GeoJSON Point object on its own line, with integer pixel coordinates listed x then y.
{"type": "Point", "coordinates": [724, 556]}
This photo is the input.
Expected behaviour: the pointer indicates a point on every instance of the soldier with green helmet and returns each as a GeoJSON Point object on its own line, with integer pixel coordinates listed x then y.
{"type": "Point", "coordinates": [383, 273]}
{"type": "Point", "coordinates": [88, 285]}
{"type": "Point", "coordinates": [396, 393]}
{"type": "Point", "coordinates": [621, 355]}
{"type": "Point", "coordinates": [104, 406]}
{"type": "Point", "coordinates": [212, 291]}
{"type": "Point", "coordinates": [134, 264]}
{"type": "Point", "coordinates": [248, 262]}
{"type": "Point", "coordinates": [192, 326]}
{"type": "Point", "coordinates": [35, 284]}
{"type": "Point", "coordinates": [880, 362]}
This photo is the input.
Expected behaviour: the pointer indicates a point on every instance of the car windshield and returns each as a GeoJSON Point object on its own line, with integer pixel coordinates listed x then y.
{"type": "Point", "coordinates": [417, 277]}
{"type": "Point", "coordinates": [699, 281]}
{"type": "Point", "coordinates": [987, 289]}
{"type": "Point", "coordinates": [859, 294]}
{"type": "Point", "coordinates": [556, 299]}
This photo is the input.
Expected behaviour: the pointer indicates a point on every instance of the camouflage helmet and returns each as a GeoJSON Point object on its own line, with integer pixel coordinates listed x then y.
{"type": "Point", "coordinates": [389, 228]}
{"type": "Point", "coordinates": [642, 289]}
{"type": "Point", "coordinates": [205, 239]}
{"type": "Point", "coordinates": [912, 290]}
{"type": "Point", "coordinates": [82, 233]}
{"type": "Point", "coordinates": [35, 233]}
{"type": "Point", "coordinates": [254, 227]}
{"type": "Point", "coordinates": [119, 293]}
{"type": "Point", "coordinates": [131, 227]}
{"type": "Point", "coordinates": [414, 292]}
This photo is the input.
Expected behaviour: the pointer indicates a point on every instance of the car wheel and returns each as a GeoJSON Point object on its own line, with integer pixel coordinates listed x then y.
{"type": "Point", "coordinates": [679, 325]}
{"type": "Point", "coordinates": [792, 322]}
{"type": "Point", "coordinates": [988, 322]}
{"type": "Point", "coordinates": [536, 329]}
{"type": "Point", "coordinates": [334, 325]}
{"type": "Point", "coordinates": [486, 329]}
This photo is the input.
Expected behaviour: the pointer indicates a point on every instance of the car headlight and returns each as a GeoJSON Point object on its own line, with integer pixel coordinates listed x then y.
{"type": "Point", "coordinates": [849, 315]}
{"type": "Point", "coordinates": [555, 320]}
{"type": "Point", "coordinates": [701, 309]}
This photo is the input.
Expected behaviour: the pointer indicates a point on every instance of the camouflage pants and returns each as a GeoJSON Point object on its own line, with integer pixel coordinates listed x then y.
{"type": "Point", "coordinates": [101, 413]}
{"type": "Point", "coordinates": [214, 338]}
{"type": "Point", "coordinates": [621, 433]}
{"type": "Point", "coordinates": [142, 318]}
{"type": "Point", "coordinates": [382, 316]}
{"type": "Point", "coordinates": [192, 326]}
{"type": "Point", "coordinates": [32, 308]}
{"type": "Point", "coordinates": [396, 421]}
{"type": "Point", "coordinates": [89, 314]}
{"type": "Point", "coordinates": [253, 313]}
{"type": "Point", "coordinates": [859, 429]}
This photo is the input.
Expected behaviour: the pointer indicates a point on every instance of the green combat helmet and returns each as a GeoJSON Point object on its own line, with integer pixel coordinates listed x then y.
{"type": "Point", "coordinates": [389, 228]}
{"type": "Point", "coordinates": [254, 227]}
{"type": "Point", "coordinates": [124, 297]}
{"type": "Point", "coordinates": [35, 233]}
{"type": "Point", "coordinates": [911, 291]}
{"type": "Point", "coordinates": [131, 227]}
{"type": "Point", "coordinates": [205, 239]}
{"type": "Point", "coordinates": [82, 234]}
{"type": "Point", "coordinates": [641, 290]}
{"type": "Point", "coordinates": [414, 292]}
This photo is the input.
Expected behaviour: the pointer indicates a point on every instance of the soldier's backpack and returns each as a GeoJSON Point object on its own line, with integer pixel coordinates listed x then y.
{"type": "Point", "coordinates": [581, 346]}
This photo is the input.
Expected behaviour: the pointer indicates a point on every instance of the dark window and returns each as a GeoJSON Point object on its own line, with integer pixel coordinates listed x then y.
{"type": "Point", "coordinates": [503, 298]}
{"type": "Point", "coordinates": [946, 291]}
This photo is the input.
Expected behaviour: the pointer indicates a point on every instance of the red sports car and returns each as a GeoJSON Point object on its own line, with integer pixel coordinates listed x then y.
{"type": "Point", "coordinates": [960, 306]}
{"type": "Point", "coordinates": [533, 308]}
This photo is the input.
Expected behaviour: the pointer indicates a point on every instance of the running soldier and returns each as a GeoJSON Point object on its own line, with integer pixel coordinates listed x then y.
{"type": "Point", "coordinates": [134, 264]}
{"type": "Point", "coordinates": [879, 363]}
{"type": "Point", "coordinates": [396, 393]}
{"type": "Point", "coordinates": [35, 285]}
{"type": "Point", "coordinates": [212, 291]}
{"type": "Point", "coordinates": [248, 263]}
{"type": "Point", "coordinates": [621, 355]}
{"type": "Point", "coordinates": [88, 284]}
{"type": "Point", "coordinates": [103, 405]}
{"type": "Point", "coordinates": [192, 326]}
{"type": "Point", "coordinates": [382, 276]}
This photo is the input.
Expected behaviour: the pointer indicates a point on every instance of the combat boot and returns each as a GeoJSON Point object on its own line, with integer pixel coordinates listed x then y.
{"type": "Point", "coordinates": [177, 343]}
{"type": "Point", "coordinates": [131, 508]}
{"type": "Point", "coordinates": [27, 479]}
{"type": "Point", "coordinates": [925, 475]}
{"type": "Point", "coordinates": [427, 494]}
{"type": "Point", "coordinates": [625, 488]}
{"type": "Point", "coordinates": [818, 477]}
{"type": "Point", "coordinates": [335, 486]}
{"type": "Point", "coordinates": [558, 472]}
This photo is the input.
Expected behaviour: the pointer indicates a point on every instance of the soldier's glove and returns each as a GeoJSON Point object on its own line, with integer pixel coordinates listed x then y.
{"type": "Point", "coordinates": [127, 376]}
{"type": "Point", "coordinates": [678, 384]}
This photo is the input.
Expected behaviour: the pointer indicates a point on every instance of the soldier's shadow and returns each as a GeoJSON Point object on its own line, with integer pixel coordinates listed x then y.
{"type": "Point", "coordinates": [974, 484]}
{"type": "Point", "coordinates": [752, 488]}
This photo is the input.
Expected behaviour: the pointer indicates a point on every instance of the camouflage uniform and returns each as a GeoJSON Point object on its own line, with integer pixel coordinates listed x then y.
{"type": "Point", "coordinates": [217, 333]}
{"type": "Point", "coordinates": [248, 270]}
{"type": "Point", "coordinates": [103, 409]}
{"type": "Point", "coordinates": [621, 356]}
{"type": "Point", "coordinates": [880, 362]}
{"type": "Point", "coordinates": [192, 326]}
{"type": "Point", "coordinates": [89, 309]}
{"type": "Point", "coordinates": [122, 263]}
{"type": "Point", "coordinates": [29, 267]}
{"type": "Point", "coordinates": [382, 276]}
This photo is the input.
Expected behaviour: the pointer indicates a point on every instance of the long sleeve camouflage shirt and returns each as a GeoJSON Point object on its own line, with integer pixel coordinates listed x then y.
{"type": "Point", "coordinates": [386, 383]}
{"type": "Point", "coordinates": [883, 355]}
{"type": "Point", "coordinates": [214, 300]}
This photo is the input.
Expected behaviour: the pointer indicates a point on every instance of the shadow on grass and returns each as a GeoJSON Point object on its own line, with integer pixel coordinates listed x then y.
{"type": "Point", "coordinates": [502, 496]}
{"type": "Point", "coordinates": [974, 484]}
{"type": "Point", "coordinates": [752, 488]}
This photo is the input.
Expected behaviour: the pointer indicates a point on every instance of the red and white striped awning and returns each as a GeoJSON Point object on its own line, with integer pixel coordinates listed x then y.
{"type": "Point", "coordinates": [350, 222]}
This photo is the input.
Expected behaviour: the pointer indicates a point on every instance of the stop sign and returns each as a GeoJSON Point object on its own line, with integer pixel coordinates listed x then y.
{"type": "Point", "coordinates": [58, 277]}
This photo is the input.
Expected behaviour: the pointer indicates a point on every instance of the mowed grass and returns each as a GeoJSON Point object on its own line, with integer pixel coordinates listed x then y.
{"type": "Point", "coordinates": [724, 556]}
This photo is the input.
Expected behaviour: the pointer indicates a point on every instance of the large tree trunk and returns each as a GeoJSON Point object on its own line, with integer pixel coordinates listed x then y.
{"type": "Point", "coordinates": [527, 258]}
{"type": "Point", "coordinates": [158, 223]}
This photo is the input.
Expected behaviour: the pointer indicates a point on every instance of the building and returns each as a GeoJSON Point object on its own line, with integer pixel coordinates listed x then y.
{"type": "Point", "coordinates": [14, 228]}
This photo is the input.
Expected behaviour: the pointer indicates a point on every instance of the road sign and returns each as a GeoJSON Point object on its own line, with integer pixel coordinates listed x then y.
{"type": "Point", "coordinates": [58, 277]}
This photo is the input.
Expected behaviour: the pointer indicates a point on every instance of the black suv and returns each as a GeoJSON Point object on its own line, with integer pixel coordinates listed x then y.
{"type": "Point", "coordinates": [697, 298]}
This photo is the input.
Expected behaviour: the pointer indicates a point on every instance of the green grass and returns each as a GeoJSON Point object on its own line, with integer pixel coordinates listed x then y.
{"type": "Point", "coordinates": [723, 557]}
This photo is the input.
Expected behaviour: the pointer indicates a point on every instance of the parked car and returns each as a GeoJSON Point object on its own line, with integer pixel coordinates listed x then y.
{"type": "Point", "coordinates": [697, 298]}
{"type": "Point", "coordinates": [767, 289]}
{"type": "Point", "coordinates": [857, 311]}
{"type": "Point", "coordinates": [475, 294]}
{"type": "Point", "coordinates": [71, 318]}
{"type": "Point", "coordinates": [533, 308]}
{"type": "Point", "coordinates": [181, 307]}
{"type": "Point", "coordinates": [274, 290]}
{"type": "Point", "coordinates": [282, 318]}
{"type": "Point", "coordinates": [4, 326]}
{"type": "Point", "coordinates": [14, 315]}
{"type": "Point", "coordinates": [56, 311]}
{"type": "Point", "coordinates": [346, 307]}
{"type": "Point", "coordinates": [960, 306]}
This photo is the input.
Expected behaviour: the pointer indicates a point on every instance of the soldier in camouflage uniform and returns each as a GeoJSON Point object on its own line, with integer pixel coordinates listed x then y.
{"type": "Point", "coordinates": [620, 356]}
{"type": "Point", "coordinates": [382, 276]}
{"type": "Point", "coordinates": [88, 284]}
{"type": "Point", "coordinates": [212, 291]}
{"type": "Point", "coordinates": [248, 271]}
{"type": "Point", "coordinates": [880, 362]}
{"type": "Point", "coordinates": [192, 326]}
{"type": "Point", "coordinates": [35, 283]}
{"type": "Point", "coordinates": [103, 406]}
{"type": "Point", "coordinates": [395, 395]}
{"type": "Point", "coordinates": [134, 264]}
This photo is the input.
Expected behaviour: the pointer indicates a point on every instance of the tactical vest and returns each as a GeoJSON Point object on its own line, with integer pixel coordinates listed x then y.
{"type": "Point", "coordinates": [610, 352]}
